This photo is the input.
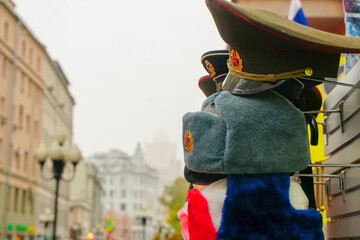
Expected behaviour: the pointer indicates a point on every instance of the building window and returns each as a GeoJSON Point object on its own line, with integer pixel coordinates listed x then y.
{"type": "Point", "coordinates": [30, 56]}
{"type": "Point", "coordinates": [38, 63]}
{"type": "Point", "coordinates": [27, 124]}
{"type": "Point", "coordinates": [111, 193]}
{"type": "Point", "coordinates": [34, 166]}
{"type": "Point", "coordinates": [36, 129]}
{"type": "Point", "coordinates": [29, 88]}
{"type": "Point", "coordinates": [6, 31]}
{"type": "Point", "coordinates": [17, 160]}
{"type": "Point", "coordinates": [23, 48]}
{"type": "Point", "coordinates": [104, 193]}
{"type": "Point", "coordinates": [38, 94]}
{"type": "Point", "coordinates": [1, 151]}
{"type": "Point", "coordinates": [4, 67]}
{"type": "Point", "coordinates": [123, 180]}
{"type": "Point", "coordinates": [22, 82]}
{"type": "Point", "coordinates": [21, 112]}
{"type": "Point", "coordinates": [123, 207]}
{"type": "Point", "coordinates": [23, 200]}
{"type": "Point", "coordinates": [26, 160]}
{"type": "Point", "coordinates": [123, 193]}
{"type": "Point", "coordinates": [2, 106]}
{"type": "Point", "coordinates": [31, 202]}
{"type": "Point", "coordinates": [16, 198]}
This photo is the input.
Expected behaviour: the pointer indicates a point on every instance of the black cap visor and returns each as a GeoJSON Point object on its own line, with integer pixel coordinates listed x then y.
{"type": "Point", "coordinates": [240, 86]}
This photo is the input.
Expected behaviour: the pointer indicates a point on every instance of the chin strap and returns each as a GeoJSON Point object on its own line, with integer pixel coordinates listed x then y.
{"type": "Point", "coordinates": [314, 131]}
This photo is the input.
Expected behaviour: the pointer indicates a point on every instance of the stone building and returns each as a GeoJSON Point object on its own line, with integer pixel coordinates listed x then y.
{"type": "Point", "coordinates": [85, 202]}
{"type": "Point", "coordinates": [124, 232]}
{"type": "Point", "coordinates": [129, 185]}
{"type": "Point", "coordinates": [57, 109]}
{"type": "Point", "coordinates": [34, 99]}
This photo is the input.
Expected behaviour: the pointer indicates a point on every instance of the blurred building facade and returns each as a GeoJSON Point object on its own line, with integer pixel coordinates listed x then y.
{"type": "Point", "coordinates": [129, 185]}
{"type": "Point", "coordinates": [124, 231]}
{"type": "Point", "coordinates": [85, 204]}
{"type": "Point", "coordinates": [34, 99]}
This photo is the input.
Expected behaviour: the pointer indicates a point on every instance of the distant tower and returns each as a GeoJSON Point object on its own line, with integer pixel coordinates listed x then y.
{"type": "Point", "coordinates": [160, 155]}
{"type": "Point", "coordinates": [138, 157]}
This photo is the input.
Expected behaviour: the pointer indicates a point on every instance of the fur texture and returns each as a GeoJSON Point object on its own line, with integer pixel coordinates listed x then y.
{"type": "Point", "coordinates": [183, 217]}
{"type": "Point", "coordinates": [258, 207]}
{"type": "Point", "coordinates": [264, 133]}
{"type": "Point", "coordinates": [199, 220]}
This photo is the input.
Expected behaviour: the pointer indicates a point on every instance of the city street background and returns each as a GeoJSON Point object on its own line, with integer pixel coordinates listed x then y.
{"type": "Point", "coordinates": [133, 66]}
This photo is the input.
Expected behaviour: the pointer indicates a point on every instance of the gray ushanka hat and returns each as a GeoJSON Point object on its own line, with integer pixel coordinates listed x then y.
{"type": "Point", "coordinates": [256, 134]}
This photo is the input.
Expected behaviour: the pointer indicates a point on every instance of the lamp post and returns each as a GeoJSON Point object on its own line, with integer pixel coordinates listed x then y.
{"type": "Point", "coordinates": [46, 218]}
{"type": "Point", "coordinates": [59, 157]}
{"type": "Point", "coordinates": [144, 215]}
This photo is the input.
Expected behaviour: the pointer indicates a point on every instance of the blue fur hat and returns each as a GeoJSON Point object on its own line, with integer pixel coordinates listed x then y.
{"type": "Point", "coordinates": [256, 134]}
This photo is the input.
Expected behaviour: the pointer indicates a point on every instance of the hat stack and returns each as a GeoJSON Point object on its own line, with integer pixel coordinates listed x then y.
{"type": "Point", "coordinates": [214, 63]}
{"type": "Point", "coordinates": [257, 125]}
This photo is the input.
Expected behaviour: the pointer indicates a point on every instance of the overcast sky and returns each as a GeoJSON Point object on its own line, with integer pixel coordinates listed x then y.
{"type": "Point", "coordinates": [133, 65]}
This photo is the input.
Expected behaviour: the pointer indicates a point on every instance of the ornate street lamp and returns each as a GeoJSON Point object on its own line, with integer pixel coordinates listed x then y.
{"type": "Point", "coordinates": [59, 157]}
{"type": "Point", "coordinates": [46, 218]}
{"type": "Point", "coordinates": [144, 215]}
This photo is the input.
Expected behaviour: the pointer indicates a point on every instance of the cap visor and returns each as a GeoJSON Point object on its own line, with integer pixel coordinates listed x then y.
{"type": "Point", "coordinates": [241, 86]}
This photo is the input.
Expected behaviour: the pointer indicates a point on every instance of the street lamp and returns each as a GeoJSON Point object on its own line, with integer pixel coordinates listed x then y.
{"type": "Point", "coordinates": [46, 218]}
{"type": "Point", "coordinates": [143, 216]}
{"type": "Point", "coordinates": [60, 157]}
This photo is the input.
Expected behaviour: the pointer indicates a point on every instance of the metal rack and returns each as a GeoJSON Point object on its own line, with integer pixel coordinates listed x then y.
{"type": "Point", "coordinates": [342, 169]}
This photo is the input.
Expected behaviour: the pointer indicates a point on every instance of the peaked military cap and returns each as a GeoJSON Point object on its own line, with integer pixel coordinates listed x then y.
{"type": "Point", "coordinates": [214, 63]}
{"type": "Point", "coordinates": [266, 48]}
{"type": "Point", "coordinates": [207, 85]}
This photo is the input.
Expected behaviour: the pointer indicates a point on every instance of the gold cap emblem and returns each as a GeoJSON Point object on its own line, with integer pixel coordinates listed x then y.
{"type": "Point", "coordinates": [235, 60]}
{"type": "Point", "coordinates": [210, 68]}
{"type": "Point", "coordinates": [188, 141]}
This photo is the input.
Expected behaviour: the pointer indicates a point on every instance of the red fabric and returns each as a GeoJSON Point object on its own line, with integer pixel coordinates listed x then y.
{"type": "Point", "coordinates": [318, 91]}
{"type": "Point", "coordinates": [203, 78]}
{"type": "Point", "coordinates": [183, 217]}
{"type": "Point", "coordinates": [199, 219]}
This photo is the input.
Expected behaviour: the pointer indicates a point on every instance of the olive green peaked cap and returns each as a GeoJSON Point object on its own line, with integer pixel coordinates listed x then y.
{"type": "Point", "coordinates": [267, 47]}
{"type": "Point", "coordinates": [207, 85]}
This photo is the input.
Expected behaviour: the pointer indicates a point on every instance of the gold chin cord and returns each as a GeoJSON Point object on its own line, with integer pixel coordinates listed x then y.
{"type": "Point", "coordinates": [306, 72]}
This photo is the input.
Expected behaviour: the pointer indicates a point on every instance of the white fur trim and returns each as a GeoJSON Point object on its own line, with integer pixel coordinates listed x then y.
{"type": "Point", "coordinates": [297, 196]}
{"type": "Point", "coordinates": [215, 195]}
